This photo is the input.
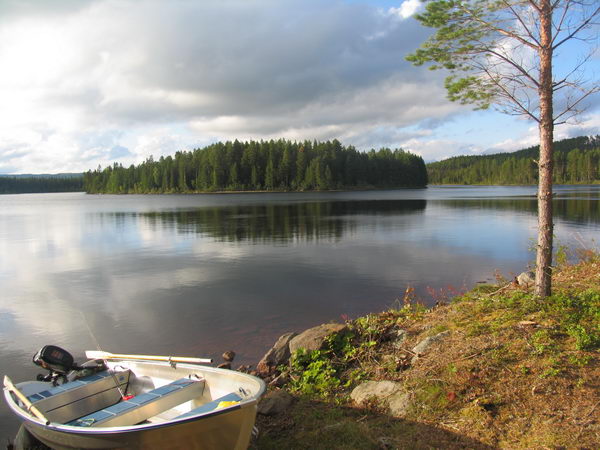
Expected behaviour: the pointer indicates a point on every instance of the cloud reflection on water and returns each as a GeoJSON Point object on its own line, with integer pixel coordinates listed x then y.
{"type": "Point", "coordinates": [181, 274]}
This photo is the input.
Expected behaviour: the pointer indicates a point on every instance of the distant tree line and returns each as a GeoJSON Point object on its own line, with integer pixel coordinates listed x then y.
{"type": "Point", "coordinates": [576, 161]}
{"type": "Point", "coordinates": [265, 165]}
{"type": "Point", "coordinates": [36, 184]}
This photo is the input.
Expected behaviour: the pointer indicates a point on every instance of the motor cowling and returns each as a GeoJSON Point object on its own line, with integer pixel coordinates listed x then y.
{"type": "Point", "coordinates": [55, 359]}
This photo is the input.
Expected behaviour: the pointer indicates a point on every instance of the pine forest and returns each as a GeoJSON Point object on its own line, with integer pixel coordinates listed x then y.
{"type": "Point", "coordinates": [280, 165]}
{"type": "Point", "coordinates": [576, 161]}
{"type": "Point", "coordinates": [40, 183]}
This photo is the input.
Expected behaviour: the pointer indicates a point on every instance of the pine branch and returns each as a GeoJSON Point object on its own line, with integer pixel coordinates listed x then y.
{"type": "Point", "coordinates": [584, 25]}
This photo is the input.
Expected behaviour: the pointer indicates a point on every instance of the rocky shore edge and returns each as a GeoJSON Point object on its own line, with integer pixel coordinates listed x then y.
{"type": "Point", "coordinates": [388, 394]}
{"type": "Point", "coordinates": [492, 367]}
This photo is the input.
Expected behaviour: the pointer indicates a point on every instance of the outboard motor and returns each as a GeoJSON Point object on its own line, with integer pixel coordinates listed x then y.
{"type": "Point", "coordinates": [59, 363]}
{"type": "Point", "coordinates": [55, 359]}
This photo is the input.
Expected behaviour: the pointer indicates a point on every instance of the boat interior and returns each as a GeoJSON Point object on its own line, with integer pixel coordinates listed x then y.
{"type": "Point", "coordinates": [133, 393]}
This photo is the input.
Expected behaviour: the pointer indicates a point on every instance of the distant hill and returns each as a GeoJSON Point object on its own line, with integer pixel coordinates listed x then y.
{"type": "Point", "coordinates": [31, 183]}
{"type": "Point", "coordinates": [576, 161]}
{"type": "Point", "coordinates": [44, 175]}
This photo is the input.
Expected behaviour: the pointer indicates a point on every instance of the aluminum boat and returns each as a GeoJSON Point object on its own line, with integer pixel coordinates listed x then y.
{"type": "Point", "coordinates": [135, 401]}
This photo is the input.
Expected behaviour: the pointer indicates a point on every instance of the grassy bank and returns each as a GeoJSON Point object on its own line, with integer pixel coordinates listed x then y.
{"type": "Point", "coordinates": [514, 371]}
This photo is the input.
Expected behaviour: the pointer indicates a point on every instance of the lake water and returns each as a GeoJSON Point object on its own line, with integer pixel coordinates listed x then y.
{"type": "Point", "coordinates": [196, 275]}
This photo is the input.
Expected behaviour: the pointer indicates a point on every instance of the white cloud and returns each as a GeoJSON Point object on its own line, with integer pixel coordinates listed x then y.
{"type": "Point", "coordinates": [86, 82]}
{"type": "Point", "coordinates": [438, 149]}
{"type": "Point", "coordinates": [406, 9]}
{"type": "Point", "coordinates": [587, 125]}
{"type": "Point", "coordinates": [163, 76]}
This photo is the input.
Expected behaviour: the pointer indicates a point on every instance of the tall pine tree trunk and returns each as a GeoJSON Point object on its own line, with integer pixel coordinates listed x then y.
{"type": "Point", "coordinates": [543, 269]}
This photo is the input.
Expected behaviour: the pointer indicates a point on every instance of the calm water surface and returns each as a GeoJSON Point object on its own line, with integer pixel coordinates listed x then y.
{"type": "Point", "coordinates": [196, 275]}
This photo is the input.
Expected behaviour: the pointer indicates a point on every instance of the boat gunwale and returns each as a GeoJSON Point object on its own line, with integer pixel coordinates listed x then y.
{"type": "Point", "coordinates": [73, 429]}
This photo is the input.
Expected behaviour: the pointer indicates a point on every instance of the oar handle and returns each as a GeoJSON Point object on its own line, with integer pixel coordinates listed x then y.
{"type": "Point", "coordinates": [95, 354]}
{"type": "Point", "coordinates": [30, 408]}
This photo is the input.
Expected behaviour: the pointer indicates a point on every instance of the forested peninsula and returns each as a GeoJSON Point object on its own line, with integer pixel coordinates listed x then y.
{"type": "Point", "coordinates": [275, 165]}
{"type": "Point", "coordinates": [576, 161]}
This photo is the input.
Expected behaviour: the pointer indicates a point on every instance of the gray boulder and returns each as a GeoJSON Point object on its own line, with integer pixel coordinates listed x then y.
{"type": "Point", "coordinates": [278, 354]}
{"type": "Point", "coordinates": [398, 336]}
{"type": "Point", "coordinates": [424, 345]}
{"type": "Point", "coordinates": [399, 403]}
{"type": "Point", "coordinates": [526, 279]}
{"type": "Point", "coordinates": [373, 389]}
{"type": "Point", "coordinates": [274, 402]}
{"type": "Point", "coordinates": [313, 338]}
{"type": "Point", "coordinates": [385, 393]}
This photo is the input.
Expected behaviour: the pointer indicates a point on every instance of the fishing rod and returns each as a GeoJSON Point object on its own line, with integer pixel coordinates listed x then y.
{"type": "Point", "coordinates": [111, 372]}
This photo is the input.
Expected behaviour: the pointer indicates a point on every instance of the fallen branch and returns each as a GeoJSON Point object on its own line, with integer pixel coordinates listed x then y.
{"type": "Point", "coordinates": [470, 356]}
{"type": "Point", "coordinates": [500, 290]}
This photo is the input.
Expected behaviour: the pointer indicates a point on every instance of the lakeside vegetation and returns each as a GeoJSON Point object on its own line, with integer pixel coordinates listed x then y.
{"type": "Point", "coordinates": [33, 184]}
{"type": "Point", "coordinates": [576, 161]}
{"type": "Point", "coordinates": [514, 371]}
{"type": "Point", "coordinates": [280, 165]}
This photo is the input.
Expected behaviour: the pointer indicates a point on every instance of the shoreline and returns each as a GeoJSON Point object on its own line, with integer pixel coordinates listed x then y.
{"type": "Point", "coordinates": [361, 189]}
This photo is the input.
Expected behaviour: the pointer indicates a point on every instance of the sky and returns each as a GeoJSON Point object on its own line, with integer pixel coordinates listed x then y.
{"type": "Point", "coordinates": [85, 83]}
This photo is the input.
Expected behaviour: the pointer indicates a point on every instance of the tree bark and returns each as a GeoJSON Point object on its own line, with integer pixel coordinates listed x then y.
{"type": "Point", "coordinates": [543, 269]}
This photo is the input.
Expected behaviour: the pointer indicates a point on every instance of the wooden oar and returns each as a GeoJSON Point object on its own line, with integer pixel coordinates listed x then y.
{"type": "Point", "coordinates": [30, 408]}
{"type": "Point", "coordinates": [94, 354]}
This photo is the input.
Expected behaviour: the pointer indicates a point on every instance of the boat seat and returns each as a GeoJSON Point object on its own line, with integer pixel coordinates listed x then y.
{"type": "Point", "coordinates": [79, 397]}
{"type": "Point", "coordinates": [123, 377]}
{"type": "Point", "coordinates": [143, 406]}
{"type": "Point", "coordinates": [212, 405]}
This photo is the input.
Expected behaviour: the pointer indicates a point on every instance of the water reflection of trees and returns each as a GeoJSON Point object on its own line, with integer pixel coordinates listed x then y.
{"type": "Point", "coordinates": [278, 222]}
{"type": "Point", "coordinates": [582, 208]}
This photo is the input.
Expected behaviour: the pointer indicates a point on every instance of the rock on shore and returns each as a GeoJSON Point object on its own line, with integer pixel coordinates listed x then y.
{"type": "Point", "coordinates": [287, 344]}
{"type": "Point", "coordinates": [278, 354]}
{"type": "Point", "coordinates": [388, 393]}
{"type": "Point", "coordinates": [313, 338]}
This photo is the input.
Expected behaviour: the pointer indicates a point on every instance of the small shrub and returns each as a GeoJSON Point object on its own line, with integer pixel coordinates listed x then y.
{"type": "Point", "coordinates": [561, 257]}
{"type": "Point", "coordinates": [437, 329]}
{"type": "Point", "coordinates": [580, 360]}
{"type": "Point", "coordinates": [477, 329]}
{"type": "Point", "coordinates": [342, 344]}
{"type": "Point", "coordinates": [542, 342]}
{"type": "Point", "coordinates": [313, 373]}
{"type": "Point", "coordinates": [551, 372]}
{"type": "Point", "coordinates": [584, 339]}
{"type": "Point", "coordinates": [587, 255]}
{"type": "Point", "coordinates": [452, 369]}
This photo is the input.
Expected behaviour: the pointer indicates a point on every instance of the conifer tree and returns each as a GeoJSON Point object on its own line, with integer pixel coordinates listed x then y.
{"type": "Point", "coordinates": [504, 52]}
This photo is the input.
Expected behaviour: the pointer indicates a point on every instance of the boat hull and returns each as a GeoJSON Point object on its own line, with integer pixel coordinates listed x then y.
{"type": "Point", "coordinates": [228, 430]}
